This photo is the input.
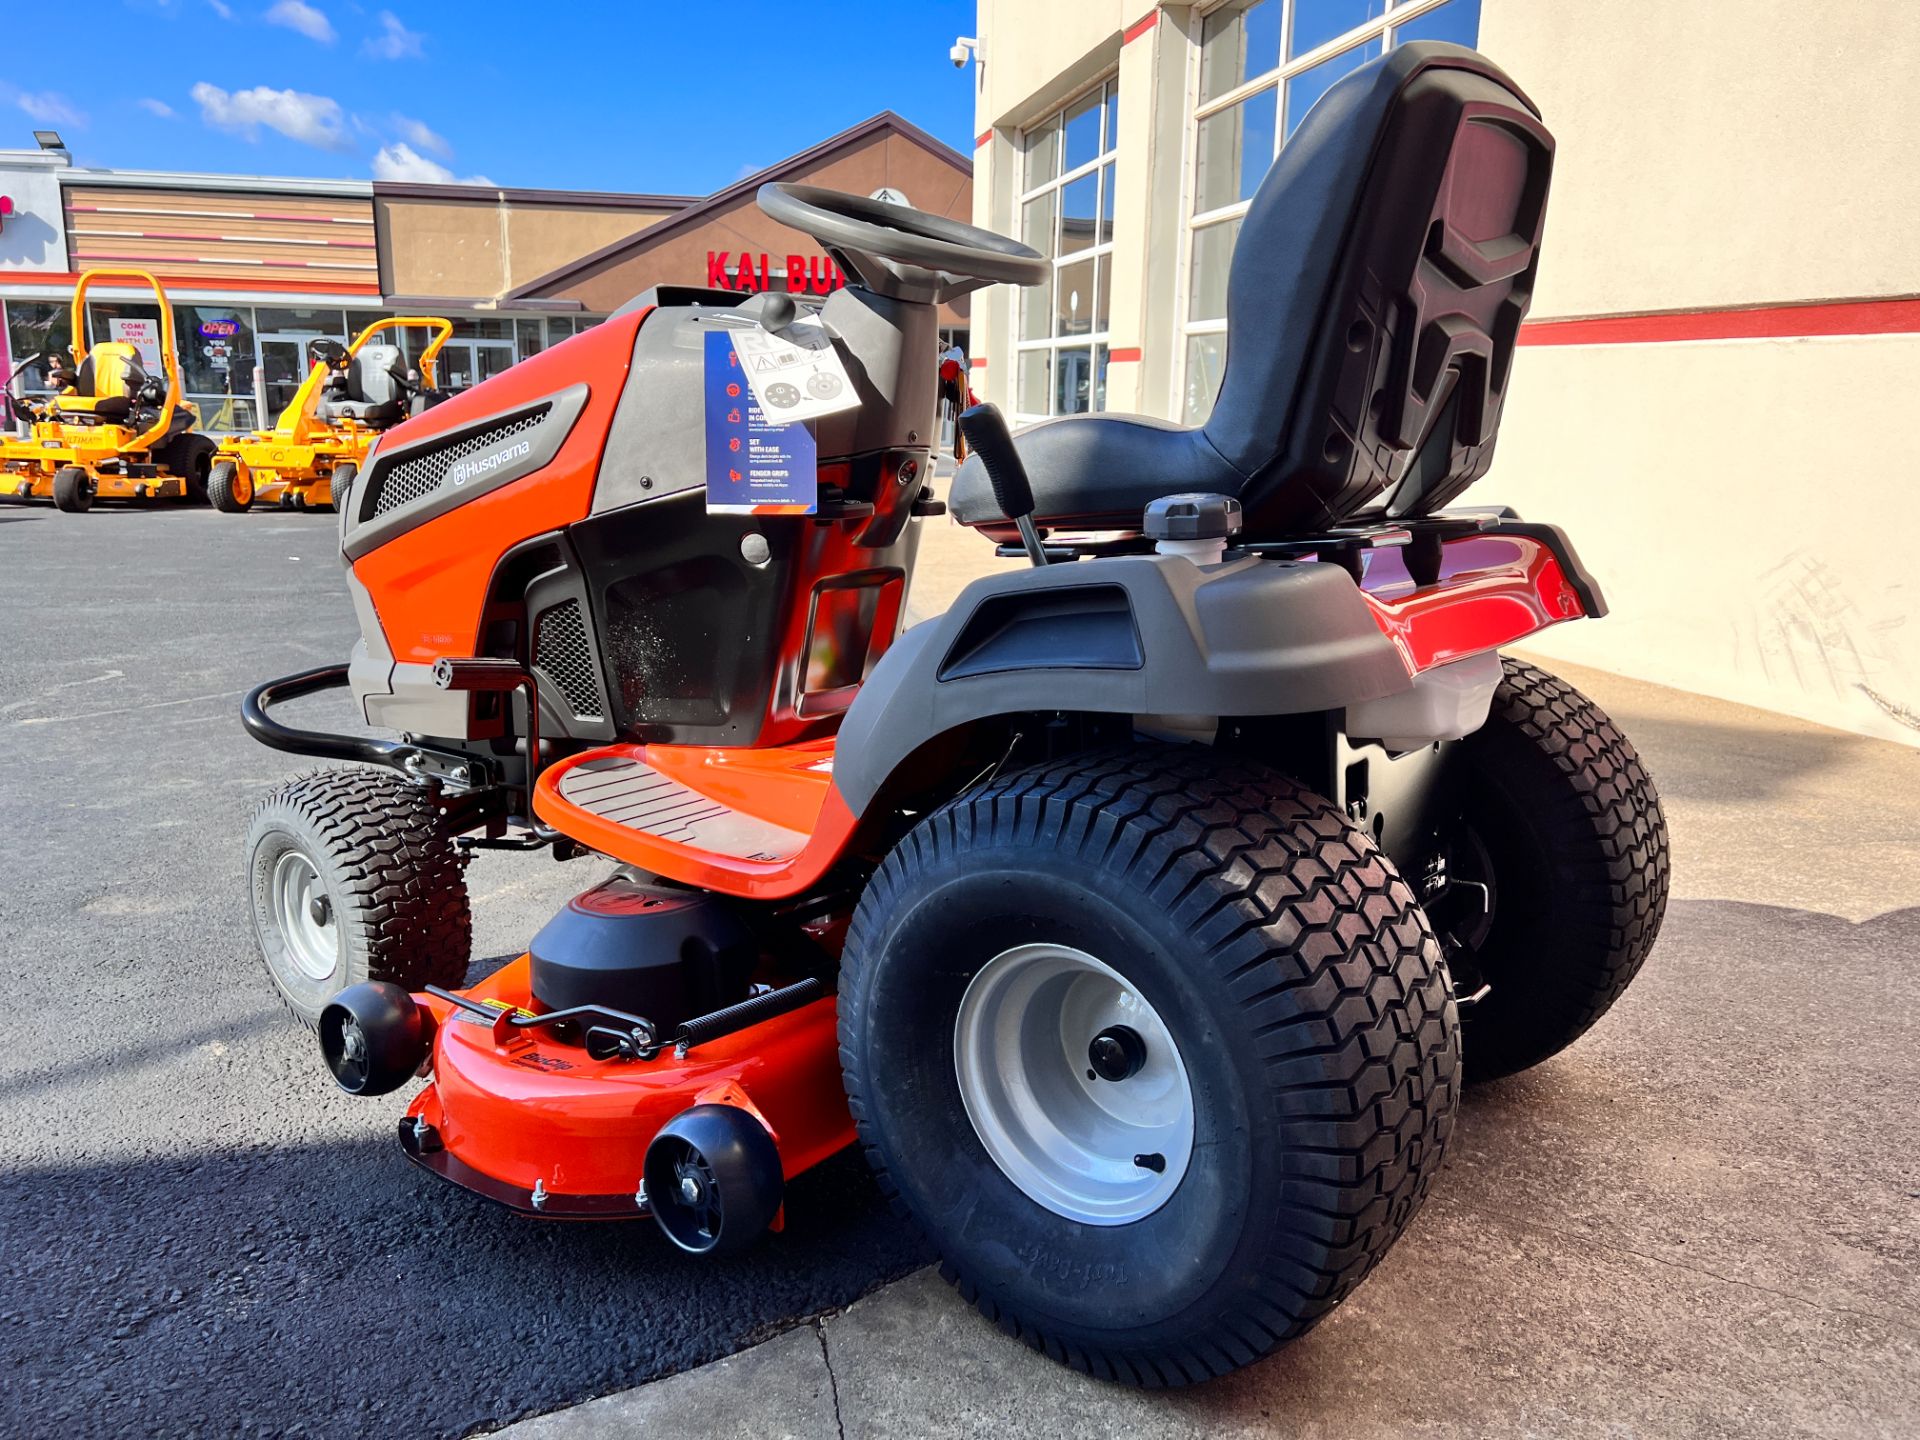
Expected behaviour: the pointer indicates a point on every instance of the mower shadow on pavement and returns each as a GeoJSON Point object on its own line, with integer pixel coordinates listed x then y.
{"type": "Point", "coordinates": [170, 1294]}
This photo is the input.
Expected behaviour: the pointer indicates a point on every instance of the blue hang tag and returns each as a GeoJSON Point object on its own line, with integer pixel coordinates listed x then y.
{"type": "Point", "coordinates": [754, 467]}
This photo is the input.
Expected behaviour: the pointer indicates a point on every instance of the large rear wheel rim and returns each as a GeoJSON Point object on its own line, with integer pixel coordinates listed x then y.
{"type": "Point", "coordinates": [1074, 1084]}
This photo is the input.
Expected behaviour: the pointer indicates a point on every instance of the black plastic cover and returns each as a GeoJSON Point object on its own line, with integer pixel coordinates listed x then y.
{"type": "Point", "coordinates": [665, 955]}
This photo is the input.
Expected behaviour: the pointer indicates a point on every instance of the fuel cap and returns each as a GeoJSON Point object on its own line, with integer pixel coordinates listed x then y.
{"type": "Point", "coordinates": [1193, 516]}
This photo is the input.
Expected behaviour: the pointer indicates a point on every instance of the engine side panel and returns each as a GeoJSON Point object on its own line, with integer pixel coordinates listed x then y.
{"type": "Point", "coordinates": [429, 582]}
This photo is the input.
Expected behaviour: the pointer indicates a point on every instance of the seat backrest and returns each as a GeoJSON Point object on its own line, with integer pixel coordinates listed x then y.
{"type": "Point", "coordinates": [377, 375]}
{"type": "Point", "coordinates": [1377, 288]}
{"type": "Point", "coordinates": [111, 371]}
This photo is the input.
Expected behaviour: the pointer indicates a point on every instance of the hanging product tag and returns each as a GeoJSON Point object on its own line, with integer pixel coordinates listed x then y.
{"type": "Point", "coordinates": [797, 374]}
{"type": "Point", "coordinates": [755, 466]}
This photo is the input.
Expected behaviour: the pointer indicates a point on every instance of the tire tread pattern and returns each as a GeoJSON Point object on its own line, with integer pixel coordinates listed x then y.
{"type": "Point", "coordinates": [1605, 835]}
{"type": "Point", "coordinates": [1336, 976]}
{"type": "Point", "coordinates": [407, 893]}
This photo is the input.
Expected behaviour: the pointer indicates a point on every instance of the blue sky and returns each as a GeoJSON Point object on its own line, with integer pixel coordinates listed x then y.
{"type": "Point", "coordinates": [676, 98]}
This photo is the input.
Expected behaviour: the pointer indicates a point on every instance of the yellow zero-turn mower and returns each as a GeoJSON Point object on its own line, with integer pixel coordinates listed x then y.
{"type": "Point", "coordinates": [113, 431]}
{"type": "Point", "coordinates": [321, 440]}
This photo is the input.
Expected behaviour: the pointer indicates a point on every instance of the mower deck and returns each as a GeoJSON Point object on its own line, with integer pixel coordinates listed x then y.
{"type": "Point", "coordinates": [763, 823]}
{"type": "Point", "coordinates": [532, 1121]}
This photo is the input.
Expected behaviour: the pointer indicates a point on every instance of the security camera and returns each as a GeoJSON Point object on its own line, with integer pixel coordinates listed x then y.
{"type": "Point", "coordinates": [963, 49]}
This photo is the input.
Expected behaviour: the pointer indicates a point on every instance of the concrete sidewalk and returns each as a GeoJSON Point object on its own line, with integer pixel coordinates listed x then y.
{"type": "Point", "coordinates": [1702, 1219]}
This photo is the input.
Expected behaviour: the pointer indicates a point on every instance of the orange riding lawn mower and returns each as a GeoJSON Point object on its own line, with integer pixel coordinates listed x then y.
{"type": "Point", "coordinates": [352, 392]}
{"type": "Point", "coordinates": [1141, 916]}
{"type": "Point", "coordinates": [111, 430]}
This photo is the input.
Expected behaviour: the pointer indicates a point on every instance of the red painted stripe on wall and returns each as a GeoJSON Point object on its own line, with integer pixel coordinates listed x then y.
{"type": "Point", "coordinates": [979, 362]}
{"type": "Point", "coordinates": [216, 262]}
{"type": "Point", "coordinates": [273, 215]}
{"type": "Point", "coordinates": [201, 283]}
{"type": "Point", "coordinates": [1125, 354]}
{"type": "Point", "coordinates": [1752, 322]}
{"type": "Point", "coordinates": [1140, 27]}
{"type": "Point", "coordinates": [226, 239]}
{"type": "Point", "coordinates": [984, 137]}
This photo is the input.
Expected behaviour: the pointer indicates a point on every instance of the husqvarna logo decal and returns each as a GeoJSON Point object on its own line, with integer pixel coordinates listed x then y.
{"type": "Point", "coordinates": [462, 471]}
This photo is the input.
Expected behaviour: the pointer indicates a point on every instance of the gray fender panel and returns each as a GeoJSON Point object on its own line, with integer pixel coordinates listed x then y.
{"type": "Point", "coordinates": [1249, 637]}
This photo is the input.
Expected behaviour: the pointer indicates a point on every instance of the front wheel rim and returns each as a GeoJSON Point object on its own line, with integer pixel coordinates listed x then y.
{"type": "Point", "coordinates": [1099, 1150]}
{"type": "Point", "coordinates": [303, 911]}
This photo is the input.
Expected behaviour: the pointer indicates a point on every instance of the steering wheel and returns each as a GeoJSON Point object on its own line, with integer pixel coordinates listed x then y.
{"type": "Point", "coordinates": [901, 252]}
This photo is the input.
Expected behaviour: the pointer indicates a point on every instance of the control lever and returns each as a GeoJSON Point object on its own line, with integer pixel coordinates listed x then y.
{"type": "Point", "coordinates": [988, 437]}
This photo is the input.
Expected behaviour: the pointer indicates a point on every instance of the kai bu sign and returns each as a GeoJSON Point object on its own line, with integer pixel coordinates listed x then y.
{"type": "Point", "coordinates": [6, 209]}
{"type": "Point", "coordinates": [805, 274]}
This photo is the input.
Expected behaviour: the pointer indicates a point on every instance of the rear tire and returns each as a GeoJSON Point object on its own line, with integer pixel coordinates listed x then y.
{"type": "Point", "coordinates": [1249, 930]}
{"type": "Point", "coordinates": [1563, 818]}
{"type": "Point", "coordinates": [225, 488]}
{"type": "Point", "coordinates": [72, 490]}
{"type": "Point", "coordinates": [195, 454]}
{"type": "Point", "coordinates": [354, 876]}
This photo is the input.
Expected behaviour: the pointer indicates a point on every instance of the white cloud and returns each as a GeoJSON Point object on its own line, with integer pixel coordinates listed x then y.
{"type": "Point", "coordinates": [48, 107]}
{"type": "Point", "coordinates": [420, 137]}
{"type": "Point", "coordinates": [400, 161]}
{"type": "Point", "coordinates": [311, 119]}
{"type": "Point", "coordinates": [394, 42]}
{"type": "Point", "coordinates": [221, 8]}
{"type": "Point", "coordinates": [298, 15]}
{"type": "Point", "coordinates": [157, 107]}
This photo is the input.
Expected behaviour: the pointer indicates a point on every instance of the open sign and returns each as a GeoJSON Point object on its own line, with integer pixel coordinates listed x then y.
{"type": "Point", "coordinates": [219, 329]}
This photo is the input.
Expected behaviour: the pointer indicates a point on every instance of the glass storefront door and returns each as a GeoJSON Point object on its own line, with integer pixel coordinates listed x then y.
{"type": "Point", "coordinates": [283, 366]}
{"type": "Point", "coordinates": [465, 363]}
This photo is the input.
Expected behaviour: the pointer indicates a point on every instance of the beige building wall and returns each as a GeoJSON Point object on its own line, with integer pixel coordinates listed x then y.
{"type": "Point", "coordinates": [1720, 152]}
{"type": "Point", "coordinates": [1746, 504]}
{"type": "Point", "coordinates": [480, 248]}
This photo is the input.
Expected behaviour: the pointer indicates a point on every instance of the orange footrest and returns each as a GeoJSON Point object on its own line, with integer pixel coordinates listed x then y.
{"type": "Point", "coordinates": [763, 823]}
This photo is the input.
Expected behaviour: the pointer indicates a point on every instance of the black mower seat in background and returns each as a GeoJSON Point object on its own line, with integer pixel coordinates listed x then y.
{"type": "Point", "coordinates": [376, 388]}
{"type": "Point", "coordinates": [111, 371]}
{"type": "Point", "coordinates": [1377, 289]}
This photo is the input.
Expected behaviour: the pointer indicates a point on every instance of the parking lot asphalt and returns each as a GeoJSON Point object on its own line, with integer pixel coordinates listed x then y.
{"type": "Point", "coordinates": [198, 1233]}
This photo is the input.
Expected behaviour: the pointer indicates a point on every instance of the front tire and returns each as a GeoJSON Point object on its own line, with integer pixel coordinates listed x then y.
{"type": "Point", "coordinates": [72, 490]}
{"type": "Point", "coordinates": [354, 877]}
{"type": "Point", "coordinates": [229, 488]}
{"type": "Point", "coordinates": [340, 485]}
{"type": "Point", "coordinates": [1277, 972]}
{"type": "Point", "coordinates": [1563, 827]}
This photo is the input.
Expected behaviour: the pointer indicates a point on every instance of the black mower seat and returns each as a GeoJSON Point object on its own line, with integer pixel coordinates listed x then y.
{"type": "Point", "coordinates": [376, 388]}
{"type": "Point", "coordinates": [108, 383]}
{"type": "Point", "coordinates": [1377, 289]}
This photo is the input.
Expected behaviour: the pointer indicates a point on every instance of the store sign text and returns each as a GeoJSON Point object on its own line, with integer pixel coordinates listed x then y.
{"type": "Point", "coordinates": [804, 274]}
{"type": "Point", "coordinates": [219, 329]}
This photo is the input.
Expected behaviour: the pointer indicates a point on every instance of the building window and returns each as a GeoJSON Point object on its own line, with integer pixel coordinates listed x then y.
{"type": "Point", "coordinates": [1262, 64]}
{"type": "Point", "coordinates": [35, 330]}
{"type": "Point", "coordinates": [216, 364]}
{"type": "Point", "coordinates": [1066, 213]}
